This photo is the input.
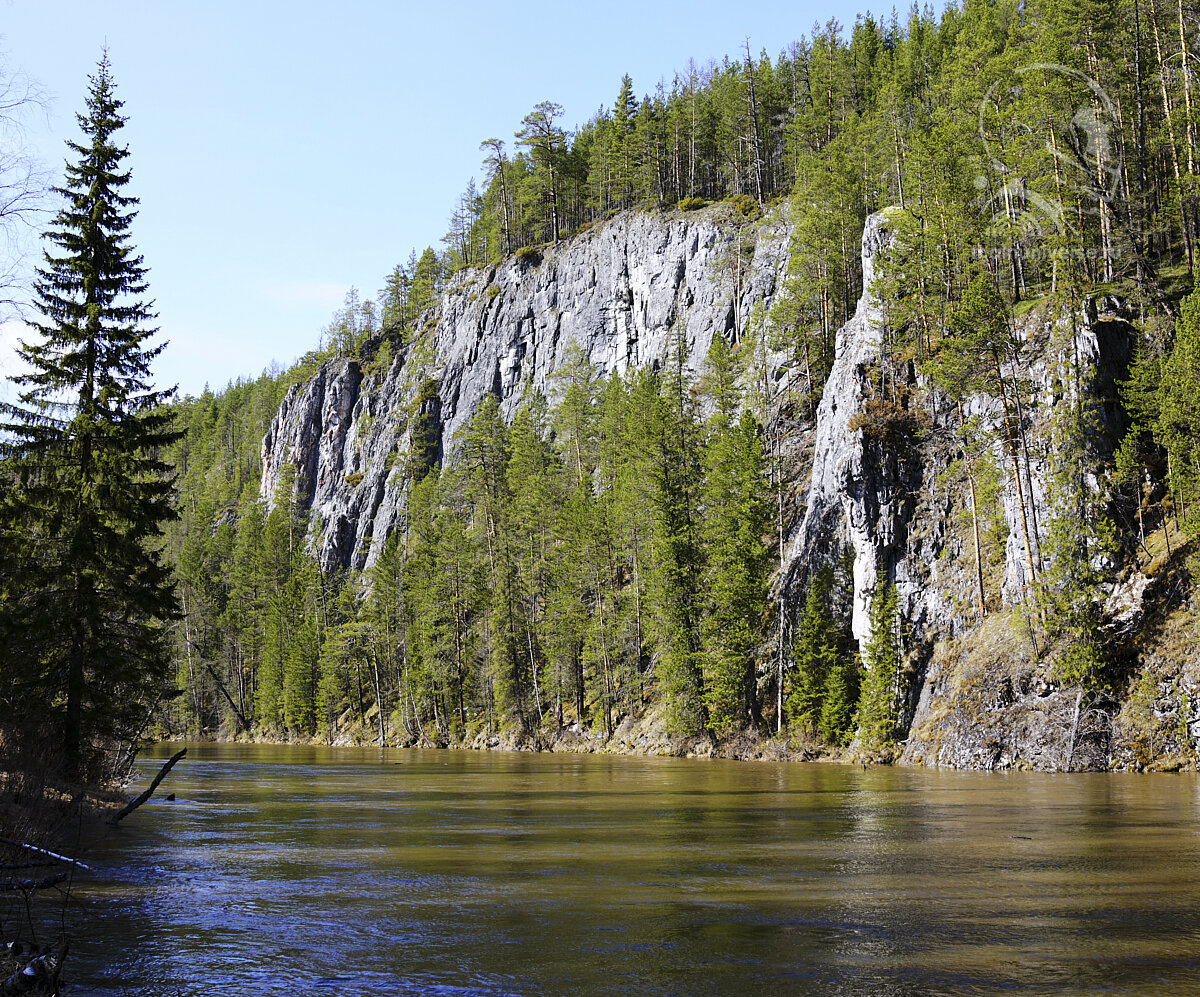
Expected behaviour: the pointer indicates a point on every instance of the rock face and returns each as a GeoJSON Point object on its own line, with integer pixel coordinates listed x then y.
{"type": "Point", "coordinates": [863, 496]}
{"type": "Point", "coordinates": [621, 292]}
{"type": "Point", "coordinates": [881, 498]}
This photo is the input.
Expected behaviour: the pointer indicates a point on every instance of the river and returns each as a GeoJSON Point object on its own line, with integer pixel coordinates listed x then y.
{"type": "Point", "coordinates": [300, 870]}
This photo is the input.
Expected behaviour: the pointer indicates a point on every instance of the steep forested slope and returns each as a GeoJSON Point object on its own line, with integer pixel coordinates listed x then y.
{"type": "Point", "coordinates": [651, 465]}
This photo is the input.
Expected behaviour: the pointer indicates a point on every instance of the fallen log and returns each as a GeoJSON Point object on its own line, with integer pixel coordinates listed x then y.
{"type": "Point", "coordinates": [162, 773]}
{"type": "Point", "coordinates": [30, 885]}
{"type": "Point", "coordinates": [43, 851]}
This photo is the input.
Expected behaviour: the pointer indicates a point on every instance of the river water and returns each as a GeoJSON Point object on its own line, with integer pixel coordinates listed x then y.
{"type": "Point", "coordinates": [296, 870]}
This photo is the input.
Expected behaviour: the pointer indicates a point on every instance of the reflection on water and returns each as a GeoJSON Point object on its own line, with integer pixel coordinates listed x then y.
{"type": "Point", "coordinates": [310, 870]}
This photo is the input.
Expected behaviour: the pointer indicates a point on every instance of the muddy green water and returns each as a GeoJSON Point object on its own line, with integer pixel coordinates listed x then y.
{"type": "Point", "coordinates": [341, 871]}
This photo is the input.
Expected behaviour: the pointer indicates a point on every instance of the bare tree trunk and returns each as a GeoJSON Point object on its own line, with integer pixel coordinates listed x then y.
{"type": "Point", "coordinates": [1171, 143]}
{"type": "Point", "coordinates": [758, 185]}
{"type": "Point", "coordinates": [978, 558]}
{"type": "Point", "coordinates": [1016, 470]}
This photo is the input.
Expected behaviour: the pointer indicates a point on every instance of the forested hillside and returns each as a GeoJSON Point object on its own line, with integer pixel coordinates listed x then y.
{"type": "Point", "coordinates": [613, 548]}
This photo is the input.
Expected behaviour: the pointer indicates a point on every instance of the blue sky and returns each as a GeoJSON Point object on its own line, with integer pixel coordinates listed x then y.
{"type": "Point", "coordinates": [284, 152]}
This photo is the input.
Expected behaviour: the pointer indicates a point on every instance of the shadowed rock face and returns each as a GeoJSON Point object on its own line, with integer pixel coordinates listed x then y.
{"type": "Point", "coordinates": [881, 500]}
{"type": "Point", "coordinates": [622, 292]}
{"type": "Point", "coordinates": [855, 501]}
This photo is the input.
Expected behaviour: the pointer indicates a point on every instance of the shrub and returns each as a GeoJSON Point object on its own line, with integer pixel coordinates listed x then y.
{"type": "Point", "coordinates": [529, 256]}
{"type": "Point", "coordinates": [692, 203]}
{"type": "Point", "coordinates": [886, 421]}
{"type": "Point", "coordinates": [352, 480]}
{"type": "Point", "coordinates": [492, 292]}
{"type": "Point", "coordinates": [746, 206]}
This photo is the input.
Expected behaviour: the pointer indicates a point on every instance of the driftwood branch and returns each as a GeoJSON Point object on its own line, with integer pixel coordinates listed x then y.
{"type": "Point", "coordinates": [29, 885]}
{"type": "Point", "coordinates": [149, 792]}
{"type": "Point", "coordinates": [43, 851]}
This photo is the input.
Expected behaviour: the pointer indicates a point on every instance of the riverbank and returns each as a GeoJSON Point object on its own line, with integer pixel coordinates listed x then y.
{"type": "Point", "coordinates": [642, 734]}
{"type": "Point", "coordinates": [1024, 723]}
{"type": "Point", "coordinates": [40, 804]}
{"type": "Point", "coordinates": [45, 817]}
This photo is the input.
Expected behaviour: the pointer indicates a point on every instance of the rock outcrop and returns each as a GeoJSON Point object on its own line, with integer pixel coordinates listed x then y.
{"type": "Point", "coordinates": [621, 293]}
{"type": "Point", "coordinates": [878, 496]}
{"type": "Point", "coordinates": [863, 493]}
{"type": "Point", "coordinates": [877, 492]}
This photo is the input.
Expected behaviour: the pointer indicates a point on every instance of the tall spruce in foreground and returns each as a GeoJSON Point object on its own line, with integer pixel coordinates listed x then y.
{"type": "Point", "coordinates": [86, 596]}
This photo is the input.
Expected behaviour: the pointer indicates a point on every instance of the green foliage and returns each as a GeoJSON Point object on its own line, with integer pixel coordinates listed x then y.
{"type": "Point", "coordinates": [981, 517]}
{"type": "Point", "coordinates": [968, 358]}
{"type": "Point", "coordinates": [606, 548]}
{"type": "Point", "coordinates": [746, 206]}
{"type": "Point", "coordinates": [839, 701]}
{"type": "Point", "coordinates": [86, 595]}
{"type": "Point", "coordinates": [352, 325]}
{"type": "Point", "coordinates": [676, 580]}
{"type": "Point", "coordinates": [1078, 541]}
{"type": "Point", "coordinates": [823, 691]}
{"type": "Point", "coordinates": [1177, 426]}
{"type": "Point", "coordinates": [733, 534]}
{"type": "Point", "coordinates": [425, 436]}
{"type": "Point", "coordinates": [815, 651]}
{"type": "Point", "coordinates": [546, 142]}
{"type": "Point", "coordinates": [381, 361]}
{"type": "Point", "coordinates": [1138, 722]}
{"type": "Point", "coordinates": [529, 256]}
{"type": "Point", "coordinates": [878, 711]}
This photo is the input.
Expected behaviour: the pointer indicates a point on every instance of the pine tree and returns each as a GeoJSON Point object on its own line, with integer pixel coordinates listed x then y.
{"type": "Point", "coordinates": [545, 141]}
{"type": "Point", "coordinates": [88, 597]}
{"type": "Point", "coordinates": [1177, 428]}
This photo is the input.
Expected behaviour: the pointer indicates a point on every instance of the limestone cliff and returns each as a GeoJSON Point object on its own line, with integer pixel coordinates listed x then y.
{"type": "Point", "coordinates": [975, 695]}
{"type": "Point", "coordinates": [620, 292]}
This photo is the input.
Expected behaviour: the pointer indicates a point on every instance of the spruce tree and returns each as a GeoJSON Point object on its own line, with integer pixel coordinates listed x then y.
{"type": "Point", "coordinates": [877, 711]}
{"type": "Point", "coordinates": [87, 597]}
{"type": "Point", "coordinates": [815, 652]}
{"type": "Point", "coordinates": [678, 556]}
{"type": "Point", "coordinates": [733, 532]}
{"type": "Point", "coordinates": [839, 701]}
